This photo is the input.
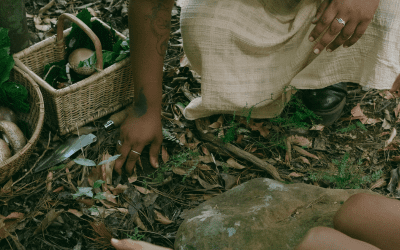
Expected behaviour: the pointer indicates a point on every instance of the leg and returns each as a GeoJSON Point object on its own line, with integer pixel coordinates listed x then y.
{"type": "Point", "coordinates": [371, 218]}
{"type": "Point", "coordinates": [326, 238]}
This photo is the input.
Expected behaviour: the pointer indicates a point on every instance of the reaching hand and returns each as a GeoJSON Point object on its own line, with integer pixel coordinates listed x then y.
{"type": "Point", "coordinates": [396, 87]}
{"type": "Point", "coordinates": [136, 133]}
{"type": "Point", "coordinates": [128, 244]}
{"type": "Point", "coordinates": [357, 14]}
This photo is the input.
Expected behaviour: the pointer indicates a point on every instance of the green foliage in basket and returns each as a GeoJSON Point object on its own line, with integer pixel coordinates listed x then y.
{"type": "Point", "coordinates": [12, 95]}
{"type": "Point", "coordinates": [120, 52]}
{"type": "Point", "coordinates": [77, 38]}
{"type": "Point", "coordinates": [58, 73]}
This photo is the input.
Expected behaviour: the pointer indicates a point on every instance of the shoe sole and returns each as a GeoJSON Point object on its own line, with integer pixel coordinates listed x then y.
{"type": "Point", "coordinates": [331, 116]}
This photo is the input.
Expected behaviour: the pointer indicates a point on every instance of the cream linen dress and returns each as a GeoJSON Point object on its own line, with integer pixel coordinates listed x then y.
{"type": "Point", "coordinates": [251, 52]}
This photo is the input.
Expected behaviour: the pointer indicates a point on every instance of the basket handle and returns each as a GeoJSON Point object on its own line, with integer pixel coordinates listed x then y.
{"type": "Point", "coordinates": [87, 30]}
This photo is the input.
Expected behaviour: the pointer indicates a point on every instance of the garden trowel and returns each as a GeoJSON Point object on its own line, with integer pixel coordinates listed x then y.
{"type": "Point", "coordinates": [72, 145]}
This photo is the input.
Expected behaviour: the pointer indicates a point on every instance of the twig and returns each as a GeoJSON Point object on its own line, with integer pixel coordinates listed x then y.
{"type": "Point", "coordinates": [240, 153]}
{"type": "Point", "coordinates": [46, 7]}
{"type": "Point", "coordinates": [34, 165]}
{"type": "Point", "coordinates": [48, 72]}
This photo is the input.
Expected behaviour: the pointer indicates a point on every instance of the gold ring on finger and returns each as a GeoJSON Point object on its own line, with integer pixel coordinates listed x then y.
{"type": "Point", "coordinates": [136, 152]}
{"type": "Point", "coordinates": [340, 20]}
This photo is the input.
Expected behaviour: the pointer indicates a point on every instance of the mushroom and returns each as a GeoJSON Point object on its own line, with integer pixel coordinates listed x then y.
{"type": "Point", "coordinates": [81, 55]}
{"type": "Point", "coordinates": [8, 115]}
{"type": "Point", "coordinates": [14, 135]}
{"type": "Point", "coordinates": [5, 151]}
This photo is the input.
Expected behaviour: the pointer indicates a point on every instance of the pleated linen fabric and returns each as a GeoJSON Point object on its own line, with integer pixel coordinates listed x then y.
{"type": "Point", "coordinates": [250, 53]}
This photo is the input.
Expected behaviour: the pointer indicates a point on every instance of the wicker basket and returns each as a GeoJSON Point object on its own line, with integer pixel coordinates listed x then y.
{"type": "Point", "coordinates": [78, 104]}
{"type": "Point", "coordinates": [34, 118]}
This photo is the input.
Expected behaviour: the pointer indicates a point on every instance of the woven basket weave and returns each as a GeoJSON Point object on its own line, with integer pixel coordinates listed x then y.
{"type": "Point", "coordinates": [34, 118]}
{"type": "Point", "coordinates": [78, 104]}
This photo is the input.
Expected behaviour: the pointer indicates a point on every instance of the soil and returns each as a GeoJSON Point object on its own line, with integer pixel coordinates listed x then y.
{"type": "Point", "coordinates": [41, 218]}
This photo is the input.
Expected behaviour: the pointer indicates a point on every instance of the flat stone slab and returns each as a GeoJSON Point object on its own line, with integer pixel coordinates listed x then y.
{"type": "Point", "coordinates": [260, 214]}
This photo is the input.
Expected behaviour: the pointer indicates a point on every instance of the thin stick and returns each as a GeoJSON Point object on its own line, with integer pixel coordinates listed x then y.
{"type": "Point", "coordinates": [34, 165]}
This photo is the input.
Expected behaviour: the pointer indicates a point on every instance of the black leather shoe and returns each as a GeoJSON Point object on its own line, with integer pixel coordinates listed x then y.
{"type": "Point", "coordinates": [328, 103]}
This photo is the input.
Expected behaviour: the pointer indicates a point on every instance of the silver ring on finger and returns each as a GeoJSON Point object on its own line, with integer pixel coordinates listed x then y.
{"type": "Point", "coordinates": [340, 20]}
{"type": "Point", "coordinates": [136, 152]}
{"type": "Point", "coordinates": [119, 142]}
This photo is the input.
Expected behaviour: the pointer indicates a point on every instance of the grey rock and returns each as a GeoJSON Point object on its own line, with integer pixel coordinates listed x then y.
{"type": "Point", "coordinates": [260, 214]}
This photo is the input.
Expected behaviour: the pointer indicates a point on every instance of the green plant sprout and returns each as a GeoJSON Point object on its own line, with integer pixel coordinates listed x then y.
{"type": "Point", "coordinates": [225, 169]}
{"type": "Point", "coordinates": [346, 179]}
{"type": "Point", "coordinates": [136, 235]}
{"type": "Point", "coordinates": [177, 161]}
{"type": "Point", "coordinates": [352, 127]}
{"type": "Point", "coordinates": [87, 191]}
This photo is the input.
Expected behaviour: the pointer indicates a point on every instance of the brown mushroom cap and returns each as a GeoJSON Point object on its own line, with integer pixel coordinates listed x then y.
{"type": "Point", "coordinates": [8, 115]}
{"type": "Point", "coordinates": [14, 134]}
{"type": "Point", "coordinates": [80, 55]}
{"type": "Point", "coordinates": [5, 151]}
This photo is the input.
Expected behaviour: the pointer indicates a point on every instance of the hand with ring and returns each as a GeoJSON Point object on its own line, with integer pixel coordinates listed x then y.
{"type": "Point", "coordinates": [137, 132]}
{"type": "Point", "coordinates": [347, 21]}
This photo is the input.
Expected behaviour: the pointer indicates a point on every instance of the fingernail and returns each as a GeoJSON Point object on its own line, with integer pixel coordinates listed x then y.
{"type": "Point", "coordinates": [115, 241]}
{"type": "Point", "coordinates": [157, 166]}
{"type": "Point", "coordinates": [316, 51]}
{"type": "Point", "coordinates": [311, 39]}
{"type": "Point", "coordinates": [329, 50]}
{"type": "Point", "coordinates": [314, 19]}
{"type": "Point", "coordinates": [345, 46]}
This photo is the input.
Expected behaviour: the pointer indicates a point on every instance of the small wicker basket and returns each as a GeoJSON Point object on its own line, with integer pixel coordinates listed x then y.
{"type": "Point", "coordinates": [34, 118]}
{"type": "Point", "coordinates": [85, 101]}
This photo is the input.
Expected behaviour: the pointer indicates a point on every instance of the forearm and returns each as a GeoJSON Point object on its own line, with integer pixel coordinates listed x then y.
{"type": "Point", "coordinates": [149, 29]}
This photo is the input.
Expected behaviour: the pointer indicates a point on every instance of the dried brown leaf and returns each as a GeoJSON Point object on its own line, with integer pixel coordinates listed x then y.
{"type": "Point", "coordinates": [387, 95]}
{"type": "Point", "coordinates": [304, 160]}
{"type": "Point", "coordinates": [119, 189]}
{"type": "Point", "coordinates": [101, 230]}
{"type": "Point", "coordinates": [304, 152]}
{"type": "Point", "coordinates": [164, 154]}
{"type": "Point", "coordinates": [397, 111]}
{"type": "Point", "coordinates": [206, 158]}
{"type": "Point", "coordinates": [203, 167]}
{"type": "Point", "coordinates": [50, 217]}
{"type": "Point", "coordinates": [318, 127]}
{"type": "Point", "coordinates": [133, 178]}
{"type": "Point", "coordinates": [379, 183]}
{"type": "Point", "coordinates": [392, 136]}
{"type": "Point", "coordinates": [75, 212]}
{"type": "Point", "coordinates": [205, 150]}
{"type": "Point", "coordinates": [143, 190]}
{"type": "Point", "coordinates": [205, 184]}
{"type": "Point", "coordinates": [179, 171]}
{"type": "Point", "coordinates": [296, 175]}
{"type": "Point", "coordinates": [215, 125]}
{"type": "Point", "coordinates": [231, 162]}
{"type": "Point", "coordinates": [161, 218]}
{"type": "Point", "coordinates": [300, 140]}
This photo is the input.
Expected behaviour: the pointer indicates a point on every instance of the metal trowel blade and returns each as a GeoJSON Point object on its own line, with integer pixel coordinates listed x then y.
{"type": "Point", "coordinates": [65, 150]}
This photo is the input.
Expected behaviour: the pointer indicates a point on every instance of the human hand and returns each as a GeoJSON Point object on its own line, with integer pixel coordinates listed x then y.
{"type": "Point", "coordinates": [396, 87]}
{"type": "Point", "coordinates": [128, 244]}
{"type": "Point", "coordinates": [356, 13]}
{"type": "Point", "coordinates": [136, 133]}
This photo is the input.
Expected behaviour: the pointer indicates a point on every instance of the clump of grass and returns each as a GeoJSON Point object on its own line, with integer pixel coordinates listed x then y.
{"type": "Point", "coordinates": [295, 115]}
{"type": "Point", "coordinates": [345, 178]}
{"type": "Point", "coordinates": [352, 127]}
{"type": "Point", "coordinates": [136, 235]}
{"type": "Point", "coordinates": [177, 161]}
